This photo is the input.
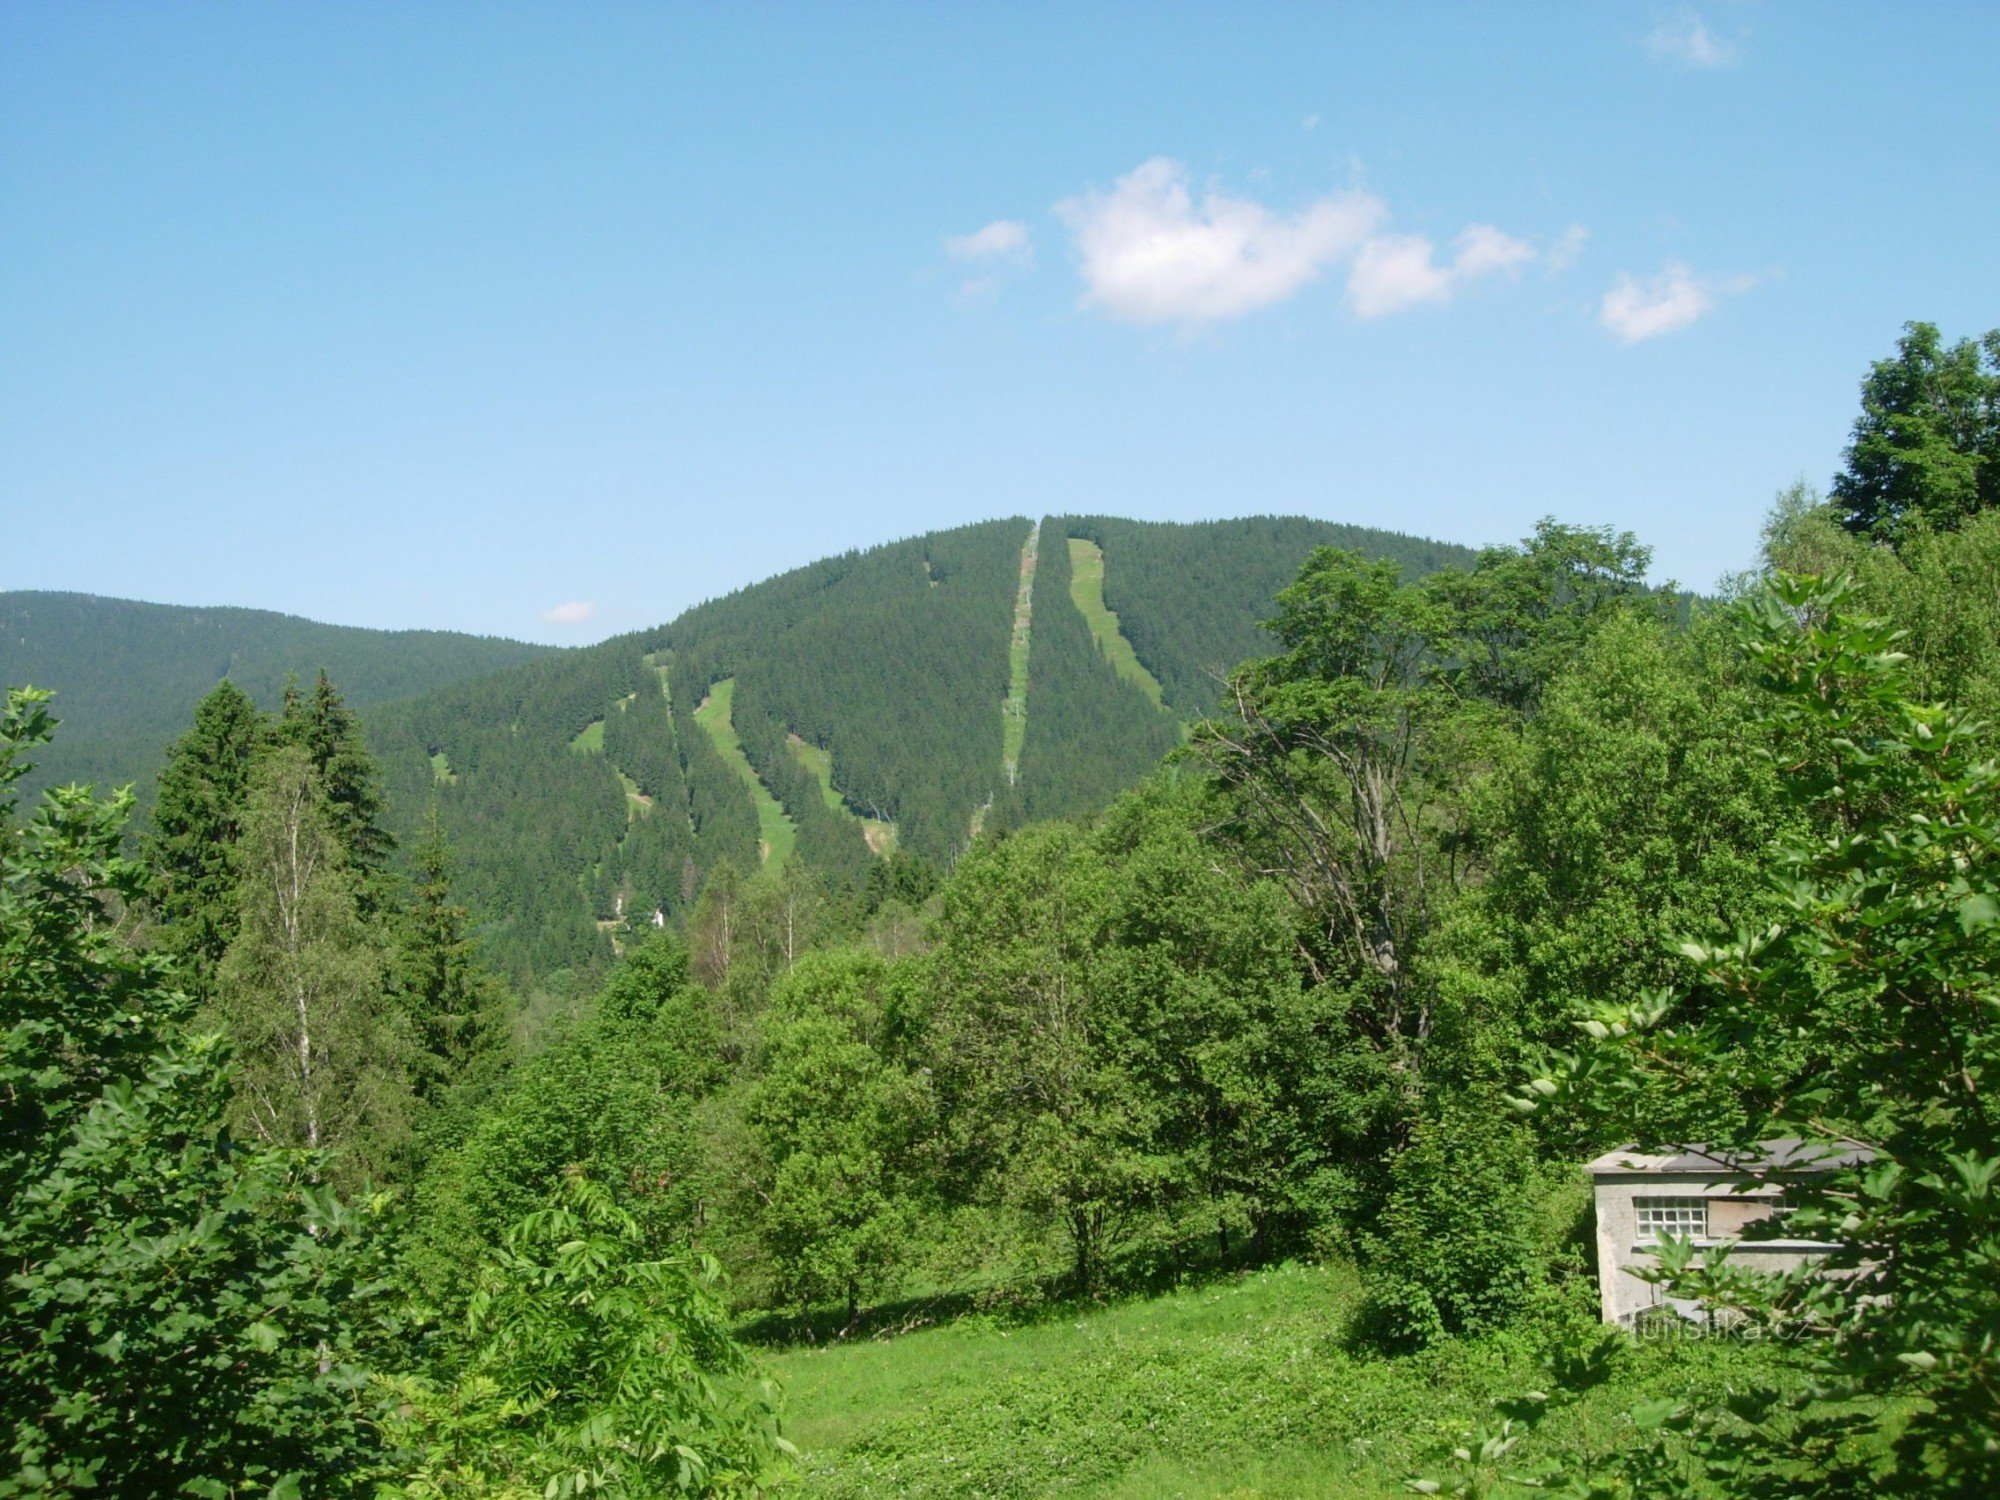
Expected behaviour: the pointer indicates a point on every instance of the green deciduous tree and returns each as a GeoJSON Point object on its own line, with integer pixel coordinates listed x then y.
{"type": "Point", "coordinates": [1925, 454]}
{"type": "Point", "coordinates": [179, 1314]}
{"type": "Point", "coordinates": [614, 1094]}
{"type": "Point", "coordinates": [1351, 768]}
{"type": "Point", "coordinates": [600, 1366]}
{"type": "Point", "coordinates": [1462, 1239]}
{"type": "Point", "coordinates": [1322, 760]}
{"type": "Point", "coordinates": [1942, 588]}
{"type": "Point", "coordinates": [835, 1125]}
{"type": "Point", "coordinates": [1195, 973]}
{"type": "Point", "coordinates": [1520, 616]}
{"type": "Point", "coordinates": [1642, 797]}
{"type": "Point", "coordinates": [325, 1058]}
{"type": "Point", "coordinates": [1035, 1113]}
{"type": "Point", "coordinates": [1115, 1028]}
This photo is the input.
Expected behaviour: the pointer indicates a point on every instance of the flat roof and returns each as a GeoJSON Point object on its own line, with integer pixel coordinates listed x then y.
{"type": "Point", "coordinates": [1784, 1154]}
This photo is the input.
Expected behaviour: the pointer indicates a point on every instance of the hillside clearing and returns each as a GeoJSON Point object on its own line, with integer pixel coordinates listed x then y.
{"type": "Point", "coordinates": [1086, 591]}
{"type": "Point", "coordinates": [1247, 1386]}
{"type": "Point", "coordinates": [637, 803]}
{"type": "Point", "coordinates": [776, 833]}
{"type": "Point", "coordinates": [591, 740]}
{"type": "Point", "coordinates": [1014, 712]}
{"type": "Point", "coordinates": [881, 836]}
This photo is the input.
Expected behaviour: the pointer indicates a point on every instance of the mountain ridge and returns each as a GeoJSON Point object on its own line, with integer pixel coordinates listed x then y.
{"type": "Point", "coordinates": [893, 666]}
{"type": "Point", "coordinates": [880, 698]}
{"type": "Point", "coordinates": [127, 672]}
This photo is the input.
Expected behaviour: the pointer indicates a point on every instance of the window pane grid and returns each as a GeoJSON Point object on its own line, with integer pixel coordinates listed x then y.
{"type": "Point", "coordinates": [1684, 1217]}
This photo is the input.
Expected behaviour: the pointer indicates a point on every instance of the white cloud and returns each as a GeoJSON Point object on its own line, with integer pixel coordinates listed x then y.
{"type": "Point", "coordinates": [1633, 309]}
{"type": "Point", "coordinates": [1685, 38]}
{"type": "Point", "coordinates": [1002, 250]}
{"type": "Point", "coordinates": [1484, 250]}
{"type": "Point", "coordinates": [1564, 253]}
{"type": "Point", "coordinates": [573, 613]}
{"type": "Point", "coordinates": [1150, 254]}
{"type": "Point", "coordinates": [1397, 271]}
{"type": "Point", "coordinates": [1310, 122]}
{"type": "Point", "coordinates": [1003, 239]}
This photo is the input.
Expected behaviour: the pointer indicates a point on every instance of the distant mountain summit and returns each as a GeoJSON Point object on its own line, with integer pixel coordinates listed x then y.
{"type": "Point", "coordinates": [904, 696]}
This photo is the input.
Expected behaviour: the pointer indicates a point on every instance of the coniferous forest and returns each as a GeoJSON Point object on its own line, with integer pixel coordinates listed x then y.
{"type": "Point", "coordinates": [693, 1064]}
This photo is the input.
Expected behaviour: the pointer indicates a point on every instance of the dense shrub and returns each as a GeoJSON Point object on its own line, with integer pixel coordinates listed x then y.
{"type": "Point", "coordinates": [600, 1368]}
{"type": "Point", "coordinates": [1467, 1232]}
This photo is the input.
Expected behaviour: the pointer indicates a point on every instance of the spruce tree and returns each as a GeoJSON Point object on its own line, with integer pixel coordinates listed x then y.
{"type": "Point", "coordinates": [190, 856]}
{"type": "Point", "coordinates": [326, 729]}
{"type": "Point", "coordinates": [453, 1004]}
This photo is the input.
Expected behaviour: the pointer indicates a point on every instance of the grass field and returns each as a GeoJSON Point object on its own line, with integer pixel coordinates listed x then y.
{"type": "Point", "coordinates": [591, 740]}
{"type": "Point", "coordinates": [776, 833]}
{"type": "Point", "coordinates": [1086, 588]}
{"type": "Point", "coordinates": [1249, 1386]}
{"type": "Point", "coordinates": [881, 836]}
{"type": "Point", "coordinates": [1014, 712]}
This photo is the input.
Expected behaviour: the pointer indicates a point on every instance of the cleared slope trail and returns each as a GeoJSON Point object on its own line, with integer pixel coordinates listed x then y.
{"type": "Point", "coordinates": [1014, 708]}
{"type": "Point", "coordinates": [1086, 591]}
{"type": "Point", "coordinates": [776, 832]}
{"type": "Point", "coordinates": [1014, 712]}
{"type": "Point", "coordinates": [880, 834]}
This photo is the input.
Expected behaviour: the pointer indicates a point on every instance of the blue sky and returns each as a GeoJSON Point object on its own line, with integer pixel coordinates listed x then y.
{"type": "Point", "coordinates": [549, 321]}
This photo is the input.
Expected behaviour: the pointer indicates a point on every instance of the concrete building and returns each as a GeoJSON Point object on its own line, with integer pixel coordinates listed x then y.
{"type": "Point", "coordinates": [1710, 1196]}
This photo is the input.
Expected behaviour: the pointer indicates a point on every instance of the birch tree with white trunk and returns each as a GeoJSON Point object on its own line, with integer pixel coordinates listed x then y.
{"type": "Point", "coordinates": [323, 1055]}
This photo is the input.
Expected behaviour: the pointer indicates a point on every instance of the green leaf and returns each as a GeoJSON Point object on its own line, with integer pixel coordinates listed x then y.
{"type": "Point", "coordinates": [1648, 1415]}
{"type": "Point", "coordinates": [265, 1335]}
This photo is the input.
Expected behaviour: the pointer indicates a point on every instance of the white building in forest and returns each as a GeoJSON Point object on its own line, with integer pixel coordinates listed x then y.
{"type": "Point", "coordinates": [1708, 1195]}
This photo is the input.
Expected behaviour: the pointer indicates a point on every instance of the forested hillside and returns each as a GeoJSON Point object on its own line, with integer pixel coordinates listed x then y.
{"type": "Point", "coordinates": [1190, 597]}
{"type": "Point", "coordinates": [857, 699]}
{"type": "Point", "coordinates": [126, 674]}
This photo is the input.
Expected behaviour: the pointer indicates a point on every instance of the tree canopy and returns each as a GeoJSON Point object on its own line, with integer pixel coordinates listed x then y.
{"type": "Point", "coordinates": [1925, 453]}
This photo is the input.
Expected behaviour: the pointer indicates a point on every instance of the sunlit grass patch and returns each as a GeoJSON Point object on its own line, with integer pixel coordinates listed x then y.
{"type": "Point", "coordinates": [1086, 590]}
{"type": "Point", "coordinates": [776, 833]}
{"type": "Point", "coordinates": [1247, 1386]}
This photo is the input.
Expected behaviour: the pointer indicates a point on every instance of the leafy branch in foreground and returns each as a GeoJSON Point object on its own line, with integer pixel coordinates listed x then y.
{"type": "Point", "coordinates": [598, 1371]}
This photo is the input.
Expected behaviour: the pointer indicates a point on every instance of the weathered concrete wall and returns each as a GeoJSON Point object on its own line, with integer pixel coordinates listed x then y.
{"type": "Point", "coordinates": [1619, 1252]}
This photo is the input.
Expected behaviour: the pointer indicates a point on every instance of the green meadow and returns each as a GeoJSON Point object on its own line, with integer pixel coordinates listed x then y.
{"type": "Point", "coordinates": [1258, 1384]}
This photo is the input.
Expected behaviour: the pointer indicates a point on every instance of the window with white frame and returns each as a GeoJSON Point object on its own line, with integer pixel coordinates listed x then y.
{"type": "Point", "coordinates": [1684, 1217]}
